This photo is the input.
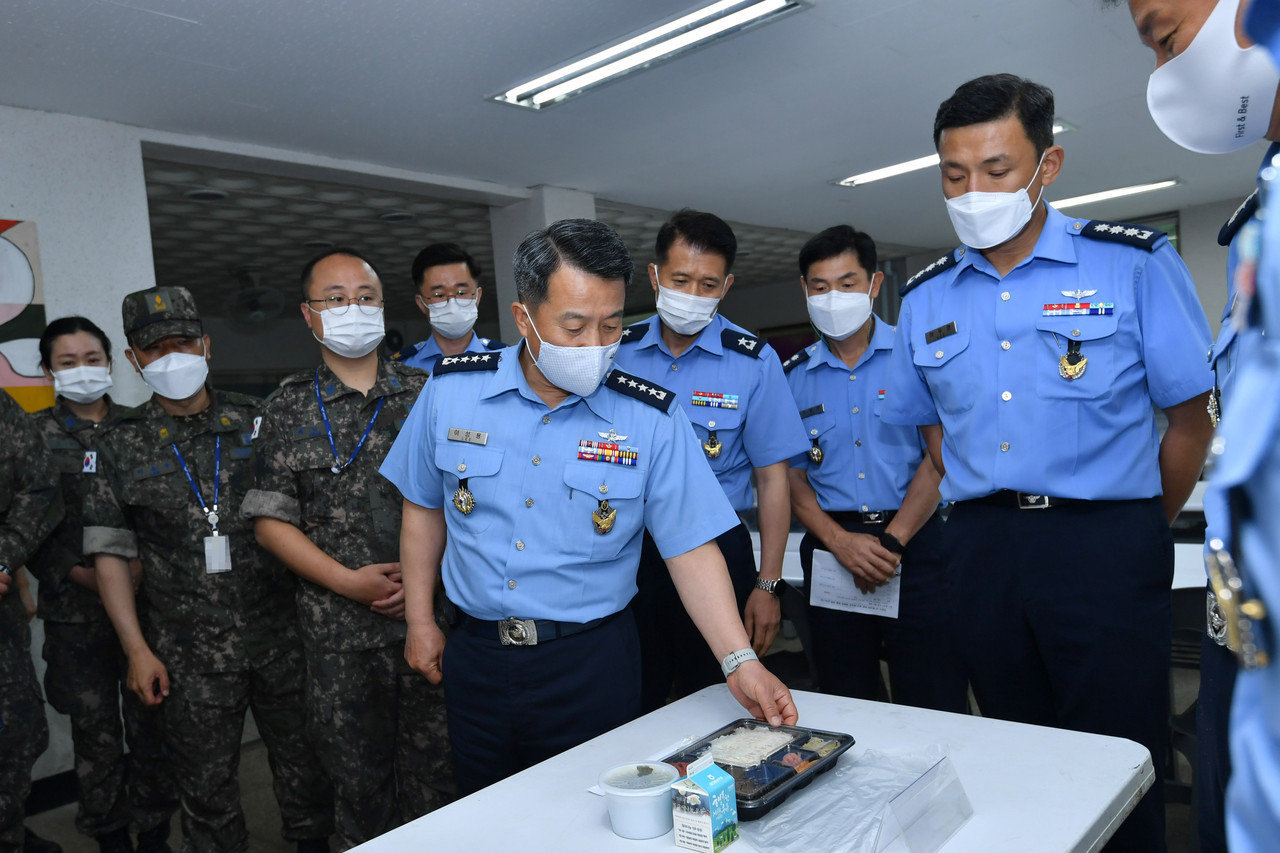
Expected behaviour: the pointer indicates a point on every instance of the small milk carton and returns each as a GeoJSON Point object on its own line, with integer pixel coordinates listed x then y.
{"type": "Point", "coordinates": [704, 808]}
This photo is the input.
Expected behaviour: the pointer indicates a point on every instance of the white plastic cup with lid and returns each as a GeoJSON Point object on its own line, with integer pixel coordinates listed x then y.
{"type": "Point", "coordinates": [638, 794]}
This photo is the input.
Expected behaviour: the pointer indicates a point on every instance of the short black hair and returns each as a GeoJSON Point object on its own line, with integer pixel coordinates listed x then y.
{"type": "Point", "coordinates": [837, 240]}
{"type": "Point", "coordinates": [441, 254]}
{"type": "Point", "coordinates": [705, 232]}
{"type": "Point", "coordinates": [69, 326]}
{"type": "Point", "coordinates": [584, 244]}
{"type": "Point", "coordinates": [998, 96]}
{"type": "Point", "coordinates": [305, 279]}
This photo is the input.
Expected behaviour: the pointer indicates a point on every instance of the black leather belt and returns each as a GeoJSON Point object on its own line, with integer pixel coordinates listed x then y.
{"type": "Point", "coordinates": [531, 632]}
{"type": "Point", "coordinates": [1023, 500]}
{"type": "Point", "coordinates": [875, 516]}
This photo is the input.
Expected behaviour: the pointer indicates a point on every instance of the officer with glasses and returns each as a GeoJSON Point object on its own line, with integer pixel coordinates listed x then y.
{"type": "Point", "coordinates": [446, 277]}
{"type": "Point", "coordinates": [319, 505]}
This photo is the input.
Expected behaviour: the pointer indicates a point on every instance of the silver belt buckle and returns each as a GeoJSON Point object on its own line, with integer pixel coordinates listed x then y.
{"type": "Point", "coordinates": [518, 632]}
{"type": "Point", "coordinates": [873, 517]}
{"type": "Point", "coordinates": [1215, 620]}
{"type": "Point", "coordinates": [1026, 501]}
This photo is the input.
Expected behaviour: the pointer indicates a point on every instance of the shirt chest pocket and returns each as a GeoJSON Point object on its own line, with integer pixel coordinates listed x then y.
{"type": "Point", "coordinates": [590, 528]}
{"type": "Point", "coordinates": [949, 371]}
{"type": "Point", "coordinates": [725, 423]}
{"type": "Point", "coordinates": [157, 496]}
{"type": "Point", "coordinates": [818, 427]}
{"type": "Point", "coordinates": [67, 454]}
{"type": "Point", "coordinates": [476, 468]}
{"type": "Point", "coordinates": [1082, 347]}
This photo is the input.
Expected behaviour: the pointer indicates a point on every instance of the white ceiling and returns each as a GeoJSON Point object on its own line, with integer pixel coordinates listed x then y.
{"type": "Point", "coordinates": [754, 127]}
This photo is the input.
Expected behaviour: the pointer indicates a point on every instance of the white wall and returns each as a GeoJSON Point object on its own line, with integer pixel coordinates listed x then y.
{"type": "Point", "coordinates": [1204, 257]}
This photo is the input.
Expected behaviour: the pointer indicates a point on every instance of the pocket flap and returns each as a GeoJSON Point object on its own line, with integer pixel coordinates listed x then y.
{"type": "Point", "coordinates": [602, 480]}
{"type": "Point", "coordinates": [941, 351]}
{"type": "Point", "coordinates": [467, 460]}
{"type": "Point", "coordinates": [1079, 328]}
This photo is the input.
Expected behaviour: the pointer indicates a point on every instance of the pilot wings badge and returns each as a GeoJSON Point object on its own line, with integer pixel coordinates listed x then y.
{"type": "Point", "coordinates": [1077, 295]}
{"type": "Point", "coordinates": [612, 436]}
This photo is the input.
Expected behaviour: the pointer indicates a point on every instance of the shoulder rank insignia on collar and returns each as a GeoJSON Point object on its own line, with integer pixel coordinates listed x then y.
{"type": "Point", "coordinates": [640, 389]}
{"type": "Point", "coordinates": [796, 360]}
{"type": "Point", "coordinates": [1123, 232]}
{"type": "Point", "coordinates": [939, 266]}
{"type": "Point", "coordinates": [741, 342]}
{"type": "Point", "coordinates": [634, 332]}
{"type": "Point", "coordinates": [463, 363]}
{"type": "Point", "coordinates": [1243, 214]}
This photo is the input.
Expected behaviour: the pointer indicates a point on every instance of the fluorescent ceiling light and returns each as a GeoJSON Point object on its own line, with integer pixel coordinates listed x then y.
{"type": "Point", "coordinates": [650, 47]}
{"type": "Point", "coordinates": [1059, 126]}
{"type": "Point", "coordinates": [1120, 192]}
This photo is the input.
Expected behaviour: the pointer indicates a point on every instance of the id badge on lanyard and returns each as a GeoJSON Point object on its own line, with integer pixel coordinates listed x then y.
{"type": "Point", "coordinates": [217, 554]}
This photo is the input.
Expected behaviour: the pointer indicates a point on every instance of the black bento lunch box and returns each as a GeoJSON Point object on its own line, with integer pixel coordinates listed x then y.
{"type": "Point", "coordinates": [767, 763]}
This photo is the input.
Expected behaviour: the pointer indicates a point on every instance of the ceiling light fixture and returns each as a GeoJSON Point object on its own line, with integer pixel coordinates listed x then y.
{"type": "Point", "coordinates": [657, 44]}
{"type": "Point", "coordinates": [1119, 192]}
{"type": "Point", "coordinates": [205, 194]}
{"type": "Point", "coordinates": [1059, 126]}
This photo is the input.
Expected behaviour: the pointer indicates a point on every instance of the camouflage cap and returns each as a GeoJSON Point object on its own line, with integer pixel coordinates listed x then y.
{"type": "Point", "coordinates": [150, 315]}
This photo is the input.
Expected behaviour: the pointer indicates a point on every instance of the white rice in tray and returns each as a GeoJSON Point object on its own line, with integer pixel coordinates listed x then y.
{"type": "Point", "coordinates": [748, 746]}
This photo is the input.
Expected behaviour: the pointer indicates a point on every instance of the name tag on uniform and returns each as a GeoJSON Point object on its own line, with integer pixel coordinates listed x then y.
{"type": "Point", "coordinates": [940, 332]}
{"type": "Point", "coordinates": [90, 462]}
{"type": "Point", "coordinates": [813, 410]}
{"type": "Point", "coordinates": [217, 554]}
{"type": "Point", "coordinates": [470, 436]}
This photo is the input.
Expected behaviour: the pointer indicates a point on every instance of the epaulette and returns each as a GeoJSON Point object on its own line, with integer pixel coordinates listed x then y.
{"type": "Point", "coordinates": [742, 342]}
{"type": "Point", "coordinates": [1243, 214]}
{"type": "Point", "coordinates": [640, 389]}
{"type": "Point", "coordinates": [1123, 232]}
{"type": "Point", "coordinates": [939, 266]}
{"type": "Point", "coordinates": [403, 369]}
{"type": "Point", "coordinates": [796, 360]}
{"type": "Point", "coordinates": [465, 363]}
{"type": "Point", "coordinates": [294, 379]}
{"type": "Point", "coordinates": [491, 344]}
{"type": "Point", "coordinates": [235, 398]}
{"type": "Point", "coordinates": [401, 355]}
{"type": "Point", "coordinates": [635, 332]}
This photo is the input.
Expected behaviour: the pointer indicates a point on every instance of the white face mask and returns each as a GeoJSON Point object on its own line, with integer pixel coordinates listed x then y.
{"type": "Point", "coordinates": [578, 370]}
{"type": "Point", "coordinates": [983, 220]}
{"type": "Point", "coordinates": [1215, 97]}
{"type": "Point", "coordinates": [684, 313]}
{"type": "Point", "coordinates": [82, 384]}
{"type": "Point", "coordinates": [353, 333]}
{"type": "Point", "coordinates": [839, 313]}
{"type": "Point", "coordinates": [176, 376]}
{"type": "Point", "coordinates": [453, 318]}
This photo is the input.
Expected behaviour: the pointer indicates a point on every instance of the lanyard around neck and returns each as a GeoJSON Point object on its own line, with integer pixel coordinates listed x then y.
{"type": "Point", "coordinates": [338, 465]}
{"type": "Point", "coordinates": [211, 514]}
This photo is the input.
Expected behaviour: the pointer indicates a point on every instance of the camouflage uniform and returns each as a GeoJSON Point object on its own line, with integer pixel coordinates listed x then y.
{"type": "Point", "coordinates": [30, 507]}
{"type": "Point", "coordinates": [228, 640]}
{"type": "Point", "coordinates": [380, 727]}
{"type": "Point", "coordinates": [86, 672]}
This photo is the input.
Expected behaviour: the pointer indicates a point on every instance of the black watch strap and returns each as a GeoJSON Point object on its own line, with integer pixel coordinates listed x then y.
{"type": "Point", "coordinates": [891, 543]}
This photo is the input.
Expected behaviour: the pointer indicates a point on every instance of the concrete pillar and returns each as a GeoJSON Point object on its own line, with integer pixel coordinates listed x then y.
{"type": "Point", "coordinates": [511, 224]}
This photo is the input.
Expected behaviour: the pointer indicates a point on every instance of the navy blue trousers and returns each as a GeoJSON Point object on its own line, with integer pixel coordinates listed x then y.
{"type": "Point", "coordinates": [674, 657]}
{"type": "Point", "coordinates": [511, 707]}
{"type": "Point", "coordinates": [1065, 620]}
{"type": "Point", "coordinates": [1213, 751]}
{"type": "Point", "coordinates": [925, 669]}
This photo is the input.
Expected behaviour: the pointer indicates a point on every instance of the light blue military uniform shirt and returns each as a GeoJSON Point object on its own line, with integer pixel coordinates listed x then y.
{"type": "Point", "coordinates": [730, 382]}
{"type": "Point", "coordinates": [424, 354]}
{"type": "Point", "coordinates": [529, 549]}
{"type": "Point", "coordinates": [1249, 445]}
{"type": "Point", "coordinates": [866, 463]}
{"type": "Point", "coordinates": [984, 356]}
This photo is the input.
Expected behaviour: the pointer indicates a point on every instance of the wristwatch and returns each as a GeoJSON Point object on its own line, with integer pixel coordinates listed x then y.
{"type": "Point", "coordinates": [733, 660]}
{"type": "Point", "coordinates": [773, 587]}
{"type": "Point", "coordinates": [891, 543]}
